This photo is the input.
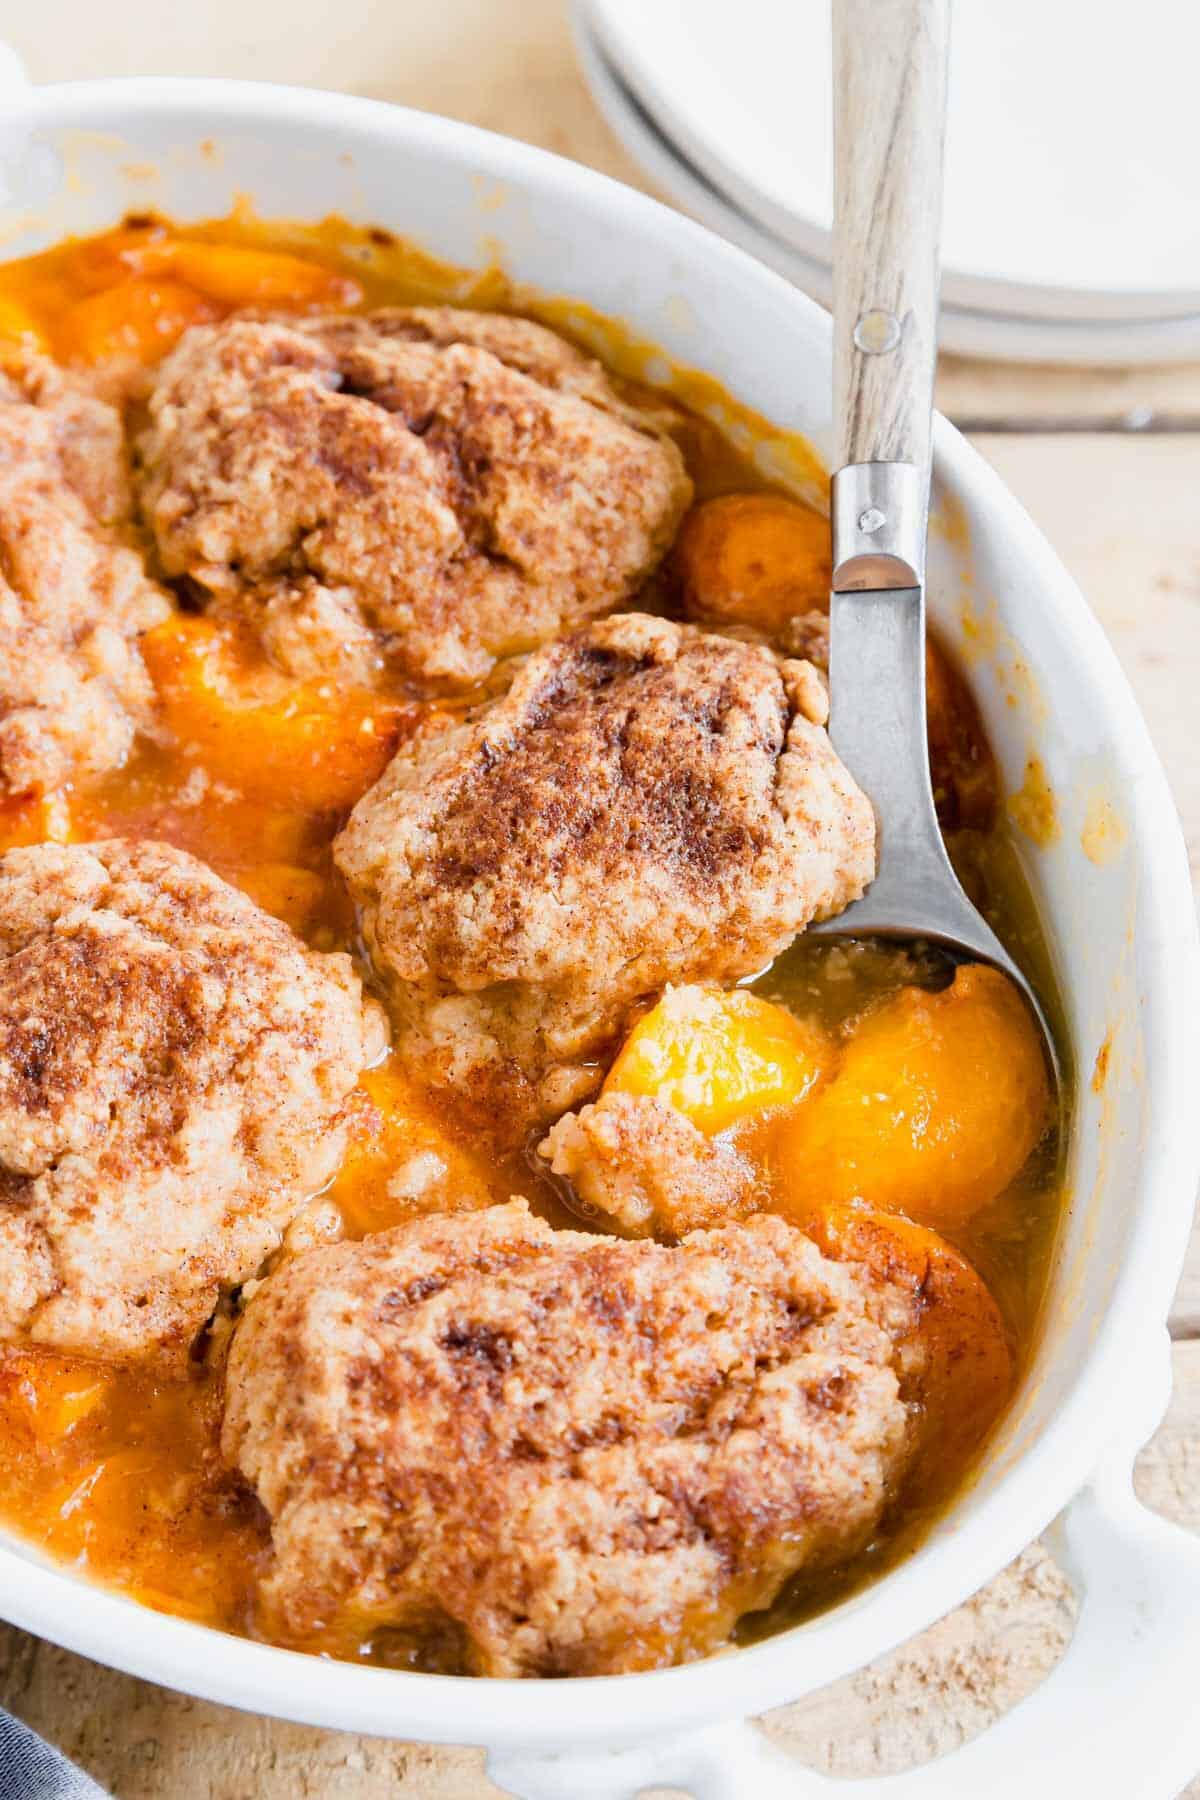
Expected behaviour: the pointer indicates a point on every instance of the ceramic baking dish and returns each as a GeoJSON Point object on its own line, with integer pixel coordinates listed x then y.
{"type": "Point", "coordinates": [1118, 1716]}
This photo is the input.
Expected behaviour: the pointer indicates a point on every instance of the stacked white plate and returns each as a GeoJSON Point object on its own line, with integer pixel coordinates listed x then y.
{"type": "Point", "coordinates": [1072, 226]}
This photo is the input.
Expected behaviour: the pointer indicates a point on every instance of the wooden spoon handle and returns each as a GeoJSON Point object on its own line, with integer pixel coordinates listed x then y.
{"type": "Point", "coordinates": [889, 74]}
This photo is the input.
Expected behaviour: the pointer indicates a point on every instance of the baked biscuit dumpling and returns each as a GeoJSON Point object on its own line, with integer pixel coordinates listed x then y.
{"type": "Point", "coordinates": [73, 596]}
{"type": "Point", "coordinates": [459, 484]}
{"type": "Point", "coordinates": [646, 1169]}
{"type": "Point", "coordinates": [173, 1064]}
{"type": "Point", "coordinates": [647, 804]}
{"type": "Point", "coordinates": [584, 1455]}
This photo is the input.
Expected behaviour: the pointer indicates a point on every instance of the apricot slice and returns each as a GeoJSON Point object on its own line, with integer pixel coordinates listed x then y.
{"type": "Point", "coordinates": [965, 781]}
{"type": "Point", "coordinates": [230, 275]}
{"type": "Point", "coordinates": [288, 742]}
{"type": "Point", "coordinates": [938, 1101]}
{"type": "Point", "coordinates": [233, 275]}
{"type": "Point", "coordinates": [18, 325]}
{"type": "Point", "coordinates": [401, 1162]}
{"type": "Point", "coordinates": [138, 318]}
{"type": "Point", "coordinates": [718, 1058]}
{"type": "Point", "coordinates": [957, 1365]}
{"type": "Point", "coordinates": [34, 819]}
{"type": "Point", "coordinates": [101, 261]}
{"type": "Point", "coordinates": [753, 559]}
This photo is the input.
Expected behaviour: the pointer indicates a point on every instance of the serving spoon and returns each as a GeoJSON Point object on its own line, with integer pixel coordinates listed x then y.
{"type": "Point", "coordinates": [889, 102]}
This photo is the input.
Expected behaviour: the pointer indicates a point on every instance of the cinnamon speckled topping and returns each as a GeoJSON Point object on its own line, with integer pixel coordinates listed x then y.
{"type": "Point", "coordinates": [648, 803]}
{"type": "Point", "coordinates": [587, 1455]}
{"type": "Point", "coordinates": [460, 484]}
{"type": "Point", "coordinates": [73, 595]}
{"type": "Point", "coordinates": [173, 1064]}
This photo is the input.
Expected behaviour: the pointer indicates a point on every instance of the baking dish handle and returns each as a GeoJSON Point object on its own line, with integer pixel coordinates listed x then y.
{"type": "Point", "coordinates": [1118, 1715]}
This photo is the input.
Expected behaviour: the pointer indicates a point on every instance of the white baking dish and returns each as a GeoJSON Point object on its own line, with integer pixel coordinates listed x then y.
{"type": "Point", "coordinates": [1119, 1716]}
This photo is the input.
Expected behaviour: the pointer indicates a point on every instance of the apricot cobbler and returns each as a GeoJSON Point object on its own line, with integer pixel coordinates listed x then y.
{"type": "Point", "coordinates": [451, 1212]}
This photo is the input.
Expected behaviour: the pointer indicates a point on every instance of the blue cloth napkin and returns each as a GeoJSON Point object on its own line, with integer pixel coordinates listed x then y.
{"type": "Point", "coordinates": [31, 1770]}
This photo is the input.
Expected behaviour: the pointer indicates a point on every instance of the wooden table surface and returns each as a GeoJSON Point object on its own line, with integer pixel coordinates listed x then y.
{"type": "Point", "coordinates": [1107, 463]}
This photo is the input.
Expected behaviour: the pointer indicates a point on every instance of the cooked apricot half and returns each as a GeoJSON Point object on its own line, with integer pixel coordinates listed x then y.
{"type": "Point", "coordinates": [139, 318]}
{"type": "Point", "coordinates": [18, 325]}
{"type": "Point", "coordinates": [957, 1366]}
{"type": "Point", "coordinates": [719, 1058]}
{"type": "Point", "coordinates": [938, 1101]}
{"type": "Point", "coordinates": [233, 275]}
{"type": "Point", "coordinates": [230, 275]}
{"type": "Point", "coordinates": [35, 819]}
{"type": "Point", "coordinates": [753, 559]}
{"type": "Point", "coordinates": [400, 1161]}
{"type": "Point", "coordinates": [102, 261]}
{"type": "Point", "coordinates": [285, 741]}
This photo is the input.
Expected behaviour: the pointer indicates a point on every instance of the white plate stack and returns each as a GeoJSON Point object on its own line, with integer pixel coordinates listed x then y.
{"type": "Point", "coordinates": [1072, 215]}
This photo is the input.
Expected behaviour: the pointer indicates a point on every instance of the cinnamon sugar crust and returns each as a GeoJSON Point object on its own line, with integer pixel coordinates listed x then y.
{"type": "Point", "coordinates": [173, 1064]}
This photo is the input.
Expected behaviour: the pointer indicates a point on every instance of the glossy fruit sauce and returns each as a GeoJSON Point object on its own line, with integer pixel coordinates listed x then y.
{"type": "Point", "coordinates": [924, 1093]}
